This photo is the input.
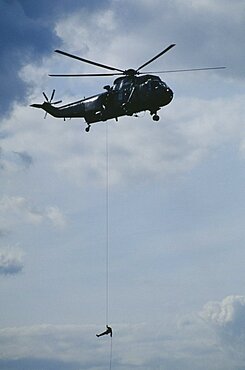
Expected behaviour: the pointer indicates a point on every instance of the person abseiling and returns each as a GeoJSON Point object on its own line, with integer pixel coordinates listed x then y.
{"type": "Point", "coordinates": [107, 332]}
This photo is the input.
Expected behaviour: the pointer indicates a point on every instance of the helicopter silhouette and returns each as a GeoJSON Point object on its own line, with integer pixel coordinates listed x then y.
{"type": "Point", "coordinates": [133, 92]}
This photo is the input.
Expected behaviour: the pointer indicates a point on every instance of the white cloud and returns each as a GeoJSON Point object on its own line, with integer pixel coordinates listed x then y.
{"type": "Point", "coordinates": [227, 317]}
{"type": "Point", "coordinates": [56, 216]}
{"type": "Point", "coordinates": [20, 208]}
{"type": "Point", "coordinates": [11, 261]}
{"type": "Point", "coordinates": [230, 310]}
{"type": "Point", "coordinates": [45, 341]}
{"type": "Point", "coordinates": [17, 209]}
{"type": "Point", "coordinates": [103, 21]}
{"type": "Point", "coordinates": [13, 161]}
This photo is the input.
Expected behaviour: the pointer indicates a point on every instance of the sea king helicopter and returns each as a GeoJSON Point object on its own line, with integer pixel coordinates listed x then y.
{"type": "Point", "coordinates": [135, 91]}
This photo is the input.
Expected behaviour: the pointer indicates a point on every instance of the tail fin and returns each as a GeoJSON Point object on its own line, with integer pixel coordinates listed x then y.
{"type": "Point", "coordinates": [37, 105]}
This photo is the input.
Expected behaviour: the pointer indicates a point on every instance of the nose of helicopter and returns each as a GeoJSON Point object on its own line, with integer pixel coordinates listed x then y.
{"type": "Point", "coordinates": [167, 95]}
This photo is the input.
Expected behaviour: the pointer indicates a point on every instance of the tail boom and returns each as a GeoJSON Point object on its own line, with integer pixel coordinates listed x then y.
{"type": "Point", "coordinates": [67, 112]}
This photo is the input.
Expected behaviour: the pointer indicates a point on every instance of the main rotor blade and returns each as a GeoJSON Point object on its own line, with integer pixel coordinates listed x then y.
{"type": "Point", "coordinates": [86, 75]}
{"type": "Point", "coordinates": [88, 61]}
{"type": "Point", "coordinates": [185, 70]}
{"type": "Point", "coordinates": [157, 56]}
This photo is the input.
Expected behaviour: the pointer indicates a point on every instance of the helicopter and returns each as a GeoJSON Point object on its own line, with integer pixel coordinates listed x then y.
{"type": "Point", "coordinates": [133, 92]}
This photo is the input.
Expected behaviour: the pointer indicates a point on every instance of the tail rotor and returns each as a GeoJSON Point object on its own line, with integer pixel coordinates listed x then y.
{"type": "Point", "coordinates": [50, 101]}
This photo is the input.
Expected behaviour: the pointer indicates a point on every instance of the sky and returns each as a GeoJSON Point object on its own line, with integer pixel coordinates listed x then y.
{"type": "Point", "coordinates": [176, 190]}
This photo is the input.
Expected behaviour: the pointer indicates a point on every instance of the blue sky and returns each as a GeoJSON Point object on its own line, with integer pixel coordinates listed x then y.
{"type": "Point", "coordinates": [176, 214]}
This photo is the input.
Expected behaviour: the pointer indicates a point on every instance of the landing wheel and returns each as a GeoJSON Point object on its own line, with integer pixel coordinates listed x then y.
{"type": "Point", "coordinates": [87, 129]}
{"type": "Point", "coordinates": [155, 117]}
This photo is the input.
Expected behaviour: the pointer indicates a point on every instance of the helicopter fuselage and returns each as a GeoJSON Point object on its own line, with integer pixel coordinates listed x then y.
{"type": "Point", "coordinates": [128, 95]}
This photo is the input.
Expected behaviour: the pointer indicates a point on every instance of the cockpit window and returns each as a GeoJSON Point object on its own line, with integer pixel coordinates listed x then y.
{"type": "Point", "coordinates": [122, 83]}
{"type": "Point", "coordinates": [117, 84]}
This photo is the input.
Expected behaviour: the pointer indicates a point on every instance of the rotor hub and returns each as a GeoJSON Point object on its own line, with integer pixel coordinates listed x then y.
{"type": "Point", "coordinates": [131, 72]}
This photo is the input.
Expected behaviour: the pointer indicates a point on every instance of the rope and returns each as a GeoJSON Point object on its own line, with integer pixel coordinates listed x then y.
{"type": "Point", "coordinates": [110, 365]}
{"type": "Point", "coordinates": [107, 228]}
{"type": "Point", "coordinates": [107, 184]}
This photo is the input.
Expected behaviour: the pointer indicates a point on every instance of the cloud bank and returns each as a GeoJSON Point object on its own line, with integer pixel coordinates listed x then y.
{"type": "Point", "coordinates": [190, 345]}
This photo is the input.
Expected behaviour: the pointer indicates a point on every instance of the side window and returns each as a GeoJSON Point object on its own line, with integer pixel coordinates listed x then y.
{"type": "Point", "coordinates": [154, 84]}
{"type": "Point", "coordinates": [149, 85]}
